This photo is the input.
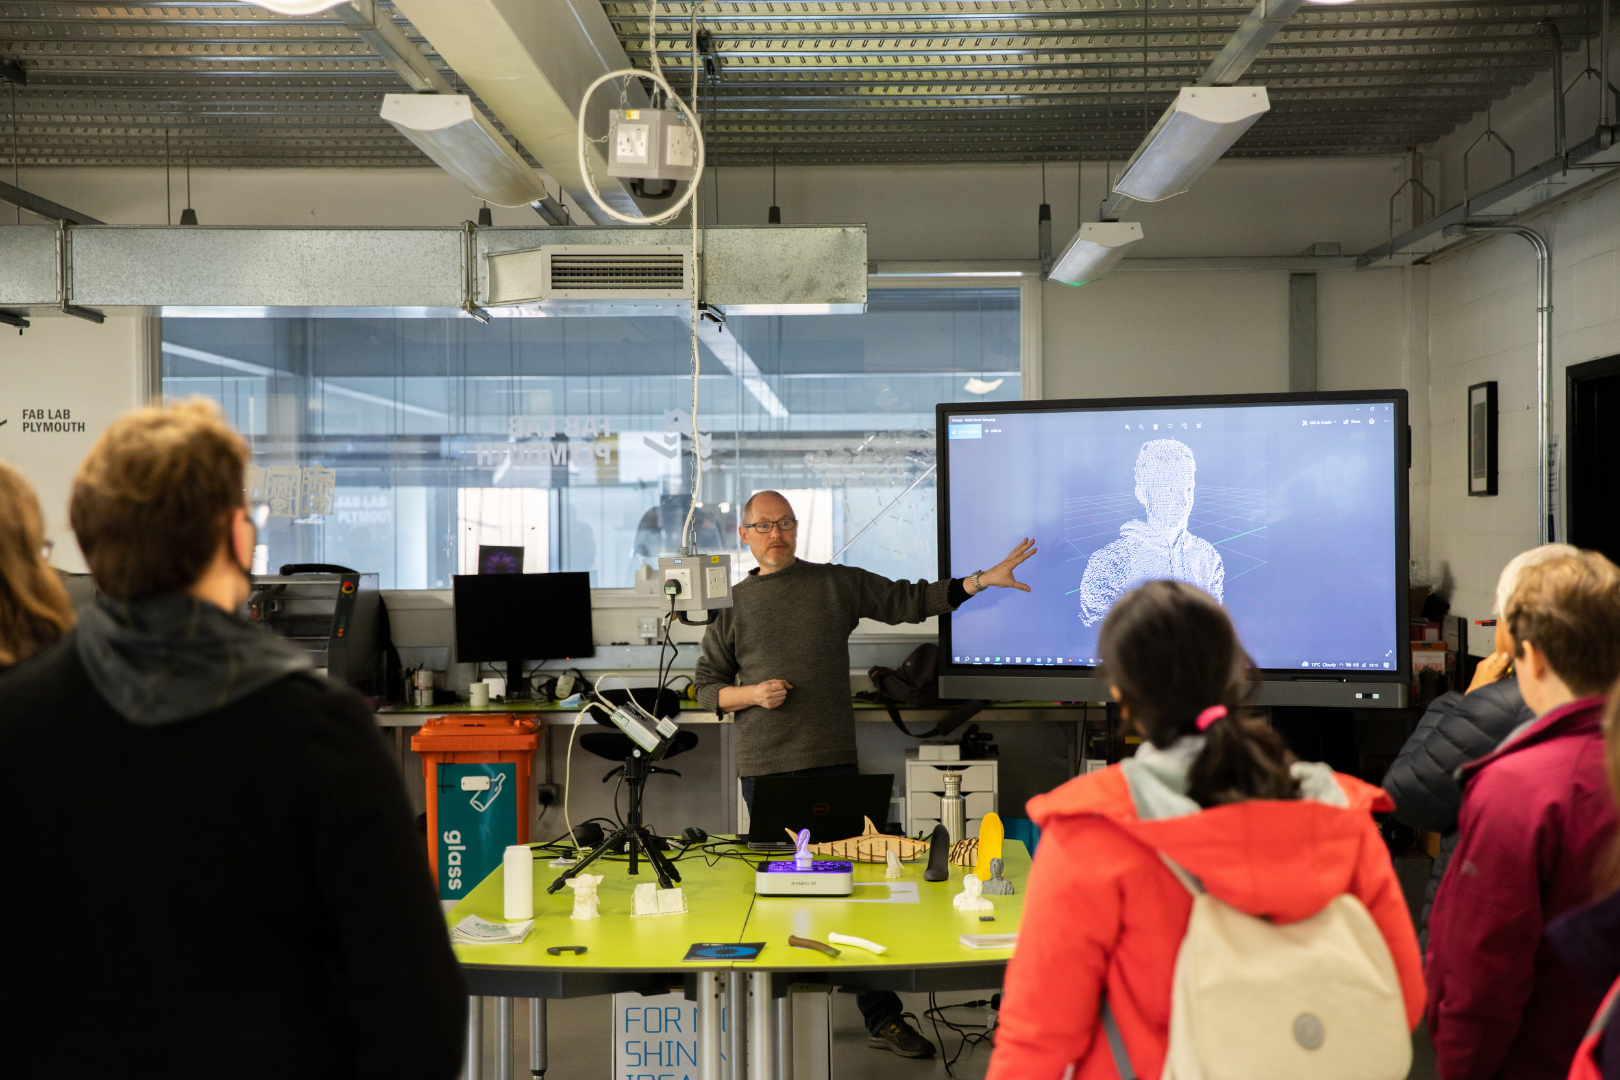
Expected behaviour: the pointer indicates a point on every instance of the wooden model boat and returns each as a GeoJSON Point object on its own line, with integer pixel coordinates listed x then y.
{"type": "Point", "coordinates": [871, 846]}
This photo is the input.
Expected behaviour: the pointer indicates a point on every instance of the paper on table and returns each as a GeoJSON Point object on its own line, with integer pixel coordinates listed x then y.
{"type": "Point", "coordinates": [475, 931]}
{"type": "Point", "coordinates": [899, 892]}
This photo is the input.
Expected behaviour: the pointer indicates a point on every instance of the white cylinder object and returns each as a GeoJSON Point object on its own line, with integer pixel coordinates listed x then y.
{"type": "Point", "coordinates": [518, 869]}
{"type": "Point", "coordinates": [478, 695]}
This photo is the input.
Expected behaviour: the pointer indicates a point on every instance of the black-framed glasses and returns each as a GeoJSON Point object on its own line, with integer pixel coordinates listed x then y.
{"type": "Point", "coordinates": [764, 528]}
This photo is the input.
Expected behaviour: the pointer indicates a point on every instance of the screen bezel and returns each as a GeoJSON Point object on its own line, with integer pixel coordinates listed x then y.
{"type": "Point", "coordinates": [1277, 686]}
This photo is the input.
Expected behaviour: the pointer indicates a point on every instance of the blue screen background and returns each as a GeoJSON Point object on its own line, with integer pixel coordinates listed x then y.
{"type": "Point", "coordinates": [1297, 499]}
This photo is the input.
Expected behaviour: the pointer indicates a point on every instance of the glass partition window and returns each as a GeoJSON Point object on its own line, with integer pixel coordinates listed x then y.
{"type": "Point", "coordinates": [402, 446]}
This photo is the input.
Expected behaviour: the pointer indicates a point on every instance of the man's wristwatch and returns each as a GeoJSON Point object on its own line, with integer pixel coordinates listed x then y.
{"type": "Point", "coordinates": [977, 587]}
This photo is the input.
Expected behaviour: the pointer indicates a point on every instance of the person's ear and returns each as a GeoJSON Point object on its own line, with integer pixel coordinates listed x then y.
{"type": "Point", "coordinates": [1531, 661]}
{"type": "Point", "coordinates": [243, 538]}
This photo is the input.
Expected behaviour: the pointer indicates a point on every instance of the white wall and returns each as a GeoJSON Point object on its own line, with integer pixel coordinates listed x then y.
{"type": "Point", "coordinates": [1482, 327]}
{"type": "Point", "coordinates": [1146, 333]}
{"type": "Point", "coordinates": [65, 365]}
{"type": "Point", "coordinates": [1241, 207]}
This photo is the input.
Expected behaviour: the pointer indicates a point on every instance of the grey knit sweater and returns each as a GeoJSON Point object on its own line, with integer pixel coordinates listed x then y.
{"type": "Point", "coordinates": [794, 624]}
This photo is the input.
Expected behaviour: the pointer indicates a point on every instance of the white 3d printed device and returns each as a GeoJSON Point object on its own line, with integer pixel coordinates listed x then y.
{"type": "Point", "coordinates": [785, 878]}
{"type": "Point", "coordinates": [803, 875]}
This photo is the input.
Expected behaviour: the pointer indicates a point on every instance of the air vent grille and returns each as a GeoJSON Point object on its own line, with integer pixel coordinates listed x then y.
{"type": "Point", "coordinates": [619, 272]}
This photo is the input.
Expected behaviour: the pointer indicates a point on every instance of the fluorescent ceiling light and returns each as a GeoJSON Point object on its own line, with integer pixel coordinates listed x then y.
{"type": "Point", "coordinates": [1094, 251]}
{"type": "Point", "coordinates": [1198, 127]}
{"type": "Point", "coordinates": [298, 7]}
{"type": "Point", "coordinates": [462, 142]}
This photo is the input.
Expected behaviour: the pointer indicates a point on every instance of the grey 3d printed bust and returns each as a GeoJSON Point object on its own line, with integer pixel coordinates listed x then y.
{"type": "Point", "coordinates": [1160, 547]}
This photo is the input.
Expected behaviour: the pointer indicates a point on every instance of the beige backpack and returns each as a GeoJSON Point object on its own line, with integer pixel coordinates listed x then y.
{"type": "Point", "coordinates": [1253, 1000]}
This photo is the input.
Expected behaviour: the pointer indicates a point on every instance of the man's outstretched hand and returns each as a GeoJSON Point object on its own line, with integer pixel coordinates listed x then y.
{"type": "Point", "coordinates": [1001, 574]}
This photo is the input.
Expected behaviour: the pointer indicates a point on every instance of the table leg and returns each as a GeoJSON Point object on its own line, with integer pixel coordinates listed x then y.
{"type": "Point", "coordinates": [736, 1025]}
{"type": "Point", "coordinates": [761, 1027]}
{"type": "Point", "coordinates": [710, 1004]}
{"type": "Point", "coordinates": [473, 1067]}
{"type": "Point", "coordinates": [782, 1013]}
{"type": "Point", "coordinates": [537, 1036]}
{"type": "Point", "coordinates": [504, 1015]}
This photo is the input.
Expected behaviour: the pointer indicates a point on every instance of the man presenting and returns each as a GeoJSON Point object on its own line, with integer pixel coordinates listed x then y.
{"type": "Point", "coordinates": [785, 640]}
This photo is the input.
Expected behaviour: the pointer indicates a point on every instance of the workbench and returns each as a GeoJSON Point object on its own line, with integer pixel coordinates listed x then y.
{"type": "Point", "coordinates": [625, 954]}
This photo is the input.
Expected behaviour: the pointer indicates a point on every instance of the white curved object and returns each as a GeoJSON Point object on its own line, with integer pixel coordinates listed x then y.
{"type": "Point", "coordinates": [857, 943]}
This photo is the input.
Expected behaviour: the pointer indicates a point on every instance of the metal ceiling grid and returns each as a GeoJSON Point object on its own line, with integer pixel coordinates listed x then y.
{"type": "Point", "coordinates": [809, 81]}
{"type": "Point", "coordinates": [231, 83]}
{"type": "Point", "coordinates": [799, 81]}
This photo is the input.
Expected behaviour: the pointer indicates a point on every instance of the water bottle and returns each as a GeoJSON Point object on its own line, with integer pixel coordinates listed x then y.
{"type": "Point", "coordinates": [953, 808]}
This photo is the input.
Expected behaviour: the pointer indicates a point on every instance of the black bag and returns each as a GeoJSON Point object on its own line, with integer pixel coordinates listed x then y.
{"type": "Point", "coordinates": [915, 685]}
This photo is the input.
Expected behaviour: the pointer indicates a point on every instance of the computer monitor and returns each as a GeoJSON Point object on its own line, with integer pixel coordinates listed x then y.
{"type": "Point", "coordinates": [511, 618]}
{"type": "Point", "coordinates": [1290, 509]}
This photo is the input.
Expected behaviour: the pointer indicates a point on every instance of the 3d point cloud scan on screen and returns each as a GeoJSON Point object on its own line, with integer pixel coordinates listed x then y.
{"type": "Point", "coordinates": [1286, 508]}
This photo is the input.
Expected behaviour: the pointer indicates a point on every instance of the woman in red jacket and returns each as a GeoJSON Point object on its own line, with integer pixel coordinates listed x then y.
{"type": "Point", "coordinates": [1537, 819]}
{"type": "Point", "coordinates": [1216, 792]}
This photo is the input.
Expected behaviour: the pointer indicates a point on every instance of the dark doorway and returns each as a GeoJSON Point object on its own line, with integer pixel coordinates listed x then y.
{"type": "Point", "coordinates": [1592, 392]}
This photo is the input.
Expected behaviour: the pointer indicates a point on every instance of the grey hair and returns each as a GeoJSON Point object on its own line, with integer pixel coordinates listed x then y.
{"type": "Point", "coordinates": [1518, 564]}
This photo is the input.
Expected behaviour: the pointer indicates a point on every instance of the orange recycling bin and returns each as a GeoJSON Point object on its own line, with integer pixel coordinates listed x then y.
{"type": "Point", "coordinates": [476, 771]}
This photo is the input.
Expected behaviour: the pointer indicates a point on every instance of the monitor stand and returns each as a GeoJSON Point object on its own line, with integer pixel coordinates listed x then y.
{"type": "Point", "coordinates": [517, 687]}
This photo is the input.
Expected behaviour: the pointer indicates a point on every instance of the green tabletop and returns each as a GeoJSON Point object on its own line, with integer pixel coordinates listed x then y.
{"type": "Point", "coordinates": [916, 935]}
{"type": "Point", "coordinates": [717, 903]}
{"type": "Point", "coordinates": [722, 907]}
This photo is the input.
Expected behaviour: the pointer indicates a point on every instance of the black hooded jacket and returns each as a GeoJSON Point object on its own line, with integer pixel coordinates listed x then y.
{"type": "Point", "coordinates": [233, 889]}
{"type": "Point", "coordinates": [1456, 729]}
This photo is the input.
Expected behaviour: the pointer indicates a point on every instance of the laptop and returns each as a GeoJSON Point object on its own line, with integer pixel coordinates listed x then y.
{"type": "Point", "coordinates": [831, 807]}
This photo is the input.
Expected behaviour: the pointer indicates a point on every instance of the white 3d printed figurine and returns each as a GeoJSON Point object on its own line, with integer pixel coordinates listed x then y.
{"type": "Point", "coordinates": [802, 859]}
{"type": "Point", "coordinates": [997, 885]}
{"type": "Point", "coordinates": [893, 871]}
{"type": "Point", "coordinates": [970, 899]}
{"type": "Point", "coordinates": [585, 898]}
{"type": "Point", "coordinates": [1160, 547]}
{"type": "Point", "coordinates": [649, 899]}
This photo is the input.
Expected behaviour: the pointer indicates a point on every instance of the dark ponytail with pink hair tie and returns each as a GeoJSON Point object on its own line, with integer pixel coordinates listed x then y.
{"type": "Point", "coordinates": [1170, 650]}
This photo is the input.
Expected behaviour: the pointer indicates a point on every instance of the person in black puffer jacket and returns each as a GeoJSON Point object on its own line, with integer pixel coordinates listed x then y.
{"type": "Point", "coordinates": [1457, 729]}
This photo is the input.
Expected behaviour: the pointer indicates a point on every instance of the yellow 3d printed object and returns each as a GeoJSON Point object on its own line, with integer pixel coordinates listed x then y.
{"type": "Point", "coordinates": [991, 834]}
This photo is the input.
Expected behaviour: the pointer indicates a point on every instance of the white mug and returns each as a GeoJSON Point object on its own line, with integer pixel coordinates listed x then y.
{"type": "Point", "coordinates": [478, 695]}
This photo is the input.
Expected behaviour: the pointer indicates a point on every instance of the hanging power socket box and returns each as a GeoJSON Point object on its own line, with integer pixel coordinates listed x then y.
{"type": "Point", "coordinates": [651, 144]}
{"type": "Point", "coordinates": [703, 582]}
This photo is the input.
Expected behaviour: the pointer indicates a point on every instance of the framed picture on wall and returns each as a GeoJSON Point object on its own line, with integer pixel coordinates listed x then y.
{"type": "Point", "coordinates": [1482, 439]}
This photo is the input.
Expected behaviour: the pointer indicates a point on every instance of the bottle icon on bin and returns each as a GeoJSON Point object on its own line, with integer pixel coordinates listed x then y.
{"type": "Point", "coordinates": [485, 790]}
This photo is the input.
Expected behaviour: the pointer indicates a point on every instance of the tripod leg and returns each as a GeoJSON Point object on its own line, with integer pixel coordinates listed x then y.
{"type": "Point", "coordinates": [668, 876]}
{"type": "Point", "coordinates": [596, 853]}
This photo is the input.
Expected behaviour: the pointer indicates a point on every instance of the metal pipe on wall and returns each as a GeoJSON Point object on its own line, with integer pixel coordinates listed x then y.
{"type": "Point", "coordinates": [1546, 471]}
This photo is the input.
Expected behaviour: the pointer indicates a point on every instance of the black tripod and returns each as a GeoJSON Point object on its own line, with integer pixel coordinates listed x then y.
{"type": "Point", "coordinates": [632, 834]}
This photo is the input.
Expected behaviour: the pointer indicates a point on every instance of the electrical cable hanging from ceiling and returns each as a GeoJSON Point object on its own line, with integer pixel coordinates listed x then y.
{"type": "Point", "coordinates": [168, 197]}
{"type": "Point", "coordinates": [656, 76]}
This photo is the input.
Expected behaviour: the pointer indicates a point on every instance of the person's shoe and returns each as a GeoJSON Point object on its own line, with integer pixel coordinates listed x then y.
{"type": "Point", "coordinates": [898, 1036]}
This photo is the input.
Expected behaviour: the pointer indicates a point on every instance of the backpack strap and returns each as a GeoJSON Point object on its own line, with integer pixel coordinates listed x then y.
{"type": "Point", "coordinates": [1116, 1044]}
{"type": "Point", "coordinates": [949, 723]}
{"type": "Point", "coordinates": [1188, 881]}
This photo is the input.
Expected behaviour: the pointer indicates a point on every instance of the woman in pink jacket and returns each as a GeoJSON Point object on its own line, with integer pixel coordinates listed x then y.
{"type": "Point", "coordinates": [1216, 792]}
{"type": "Point", "coordinates": [1537, 818]}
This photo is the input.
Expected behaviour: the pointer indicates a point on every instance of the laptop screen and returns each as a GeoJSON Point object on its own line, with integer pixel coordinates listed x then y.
{"type": "Point", "coordinates": [831, 807]}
